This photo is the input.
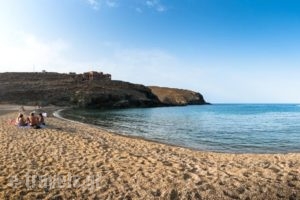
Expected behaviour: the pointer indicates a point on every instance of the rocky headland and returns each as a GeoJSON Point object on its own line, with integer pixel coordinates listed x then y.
{"type": "Point", "coordinates": [178, 97]}
{"type": "Point", "coordinates": [92, 89]}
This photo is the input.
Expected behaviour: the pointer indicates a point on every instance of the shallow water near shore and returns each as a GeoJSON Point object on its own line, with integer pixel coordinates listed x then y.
{"type": "Point", "coordinates": [233, 128]}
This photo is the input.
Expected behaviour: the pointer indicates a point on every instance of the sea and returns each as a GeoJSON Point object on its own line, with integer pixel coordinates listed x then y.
{"type": "Point", "coordinates": [230, 128]}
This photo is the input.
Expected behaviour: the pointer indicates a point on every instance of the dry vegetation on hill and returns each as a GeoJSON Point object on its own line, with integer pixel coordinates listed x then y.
{"type": "Point", "coordinates": [70, 90]}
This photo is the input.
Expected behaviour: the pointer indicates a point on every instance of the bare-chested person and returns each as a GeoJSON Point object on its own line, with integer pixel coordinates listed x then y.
{"type": "Point", "coordinates": [32, 120]}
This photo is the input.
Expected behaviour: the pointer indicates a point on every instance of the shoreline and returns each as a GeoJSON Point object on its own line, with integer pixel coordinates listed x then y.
{"type": "Point", "coordinates": [55, 112]}
{"type": "Point", "coordinates": [125, 167]}
{"type": "Point", "coordinates": [111, 131]}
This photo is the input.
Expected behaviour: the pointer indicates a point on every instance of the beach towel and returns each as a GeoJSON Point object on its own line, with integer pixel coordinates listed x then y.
{"type": "Point", "coordinates": [11, 122]}
{"type": "Point", "coordinates": [23, 126]}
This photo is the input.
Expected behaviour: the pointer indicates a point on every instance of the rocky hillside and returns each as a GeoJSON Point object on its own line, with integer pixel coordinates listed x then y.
{"type": "Point", "coordinates": [71, 90]}
{"type": "Point", "coordinates": [173, 96]}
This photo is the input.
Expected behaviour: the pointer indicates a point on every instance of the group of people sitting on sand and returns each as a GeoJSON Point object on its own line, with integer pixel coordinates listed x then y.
{"type": "Point", "coordinates": [31, 120]}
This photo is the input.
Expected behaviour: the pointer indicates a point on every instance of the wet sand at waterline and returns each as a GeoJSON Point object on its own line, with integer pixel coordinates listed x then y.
{"type": "Point", "coordinates": [68, 160]}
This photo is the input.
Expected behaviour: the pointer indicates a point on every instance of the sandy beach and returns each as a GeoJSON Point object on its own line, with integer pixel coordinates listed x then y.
{"type": "Point", "coordinates": [68, 160]}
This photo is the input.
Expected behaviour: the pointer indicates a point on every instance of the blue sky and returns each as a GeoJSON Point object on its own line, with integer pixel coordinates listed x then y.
{"type": "Point", "coordinates": [231, 51]}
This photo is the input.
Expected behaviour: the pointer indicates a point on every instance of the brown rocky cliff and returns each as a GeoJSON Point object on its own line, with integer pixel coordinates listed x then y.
{"type": "Point", "coordinates": [177, 97]}
{"type": "Point", "coordinates": [71, 90]}
{"type": "Point", "coordinates": [68, 90]}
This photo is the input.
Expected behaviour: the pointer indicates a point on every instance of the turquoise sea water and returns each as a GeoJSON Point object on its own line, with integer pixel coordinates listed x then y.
{"type": "Point", "coordinates": [238, 128]}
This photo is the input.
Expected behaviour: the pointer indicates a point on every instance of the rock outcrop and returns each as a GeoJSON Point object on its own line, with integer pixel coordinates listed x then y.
{"type": "Point", "coordinates": [71, 90]}
{"type": "Point", "coordinates": [177, 97]}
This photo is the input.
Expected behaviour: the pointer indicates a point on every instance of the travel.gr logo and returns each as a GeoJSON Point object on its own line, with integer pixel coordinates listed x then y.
{"type": "Point", "coordinates": [49, 182]}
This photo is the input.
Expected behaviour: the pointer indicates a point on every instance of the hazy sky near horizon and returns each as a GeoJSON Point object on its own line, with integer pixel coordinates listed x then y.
{"type": "Point", "coordinates": [231, 51]}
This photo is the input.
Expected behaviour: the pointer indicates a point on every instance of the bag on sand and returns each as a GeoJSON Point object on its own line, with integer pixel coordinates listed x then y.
{"type": "Point", "coordinates": [36, 127]}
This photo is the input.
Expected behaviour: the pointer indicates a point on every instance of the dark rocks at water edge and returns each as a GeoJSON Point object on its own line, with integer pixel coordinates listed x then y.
{"type": "Point", "coordinates": [88, 90]}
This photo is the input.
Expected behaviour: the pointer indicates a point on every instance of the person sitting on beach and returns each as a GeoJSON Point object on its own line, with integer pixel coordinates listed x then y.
{"type": "Point", "coordinates": [20, 121]}
{"type": "Point", "coordinates": [33, 121]}
{"type": "Point", "coordinates": [41, 120]}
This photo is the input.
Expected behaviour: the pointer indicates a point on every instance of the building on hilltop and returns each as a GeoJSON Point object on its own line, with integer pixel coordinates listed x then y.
{"type": "Point", "coordinates": [93, 75]}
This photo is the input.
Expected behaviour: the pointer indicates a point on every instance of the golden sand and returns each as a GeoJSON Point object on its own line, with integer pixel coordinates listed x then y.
{"type": "Point", "coordinates": [69, 160]}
